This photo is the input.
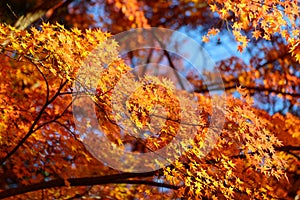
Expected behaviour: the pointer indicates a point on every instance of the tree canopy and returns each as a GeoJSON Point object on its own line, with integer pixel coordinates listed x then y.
{"type": "Point", "coordinates": [56, 56]}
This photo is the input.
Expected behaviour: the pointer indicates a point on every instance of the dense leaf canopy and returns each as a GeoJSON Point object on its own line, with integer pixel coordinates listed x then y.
{"type": "Point", "coordinates": [44, 45]}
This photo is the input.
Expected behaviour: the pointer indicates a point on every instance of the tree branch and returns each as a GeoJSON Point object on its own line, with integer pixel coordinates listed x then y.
{"type": "Point", "coordinates": [288, 148]}
{"type": "Point", "coordinates": [31, 129]}
{"type": "Point", "coordinates": [30, 17]}
{"type": "Point", "coordinates": [253, 88]}
{"type": "Point", "coordinates": [169, 60]}
{"type": "Point", "coordinates": [100, 180]}
{"type": "Point", "coordinates": [25, 20]}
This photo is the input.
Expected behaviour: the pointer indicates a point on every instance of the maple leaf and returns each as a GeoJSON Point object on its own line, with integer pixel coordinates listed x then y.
{"type": "Point", "coordinates": [240, 48]}
{"type": "Point", "coordinates": [213, 7]}
{"type": "Point", "coordinates": [39, 141]}
{"type": "Point", "coordinates": [205, 39]}
{"type": "Point", "coordinates": [256, 34]}
{"type": "Point", "coordinates": [213, 31]}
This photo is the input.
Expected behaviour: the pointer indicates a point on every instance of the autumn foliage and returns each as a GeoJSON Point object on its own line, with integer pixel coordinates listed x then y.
{"type": "Point", "coordinates": [257, 117]}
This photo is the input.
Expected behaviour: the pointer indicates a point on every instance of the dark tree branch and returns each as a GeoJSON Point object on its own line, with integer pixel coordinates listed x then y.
{"type": "Point", "coordinates": [169, 60]}
{"type": "Point", "coordinates": [31, 129]}
{"type": "Point", "coordinates": [52, 11]}
{"type": "Point", "coordinates": [55, 118]}
{"type": "Point", "coordinates": [272, 60]}
{"type": "Point", "coordinates": [109, 179]}
{"type": "Point", "coordinates": [258, 89]}
{"type": "Point", "coordinates": [37, 13]}
{"type": "Point", "coordinates": [45, 79]}
{"type": "Point", "coordinates": [30, 17]}
{"type": "Point", "coordinates": [288, 148]}
{"type": "Point", "coordinates": [293, 154]}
